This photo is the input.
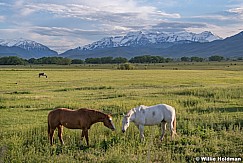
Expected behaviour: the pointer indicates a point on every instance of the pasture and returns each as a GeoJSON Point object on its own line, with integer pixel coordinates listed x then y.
{"type": "Point", "coordinates": [208, 99]}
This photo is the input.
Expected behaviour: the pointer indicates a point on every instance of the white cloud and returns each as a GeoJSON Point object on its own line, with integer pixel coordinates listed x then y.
{"type": "Point", "coordinates": [19, 6]}
{"type": "Point", "coordinates": [222, 31]}
{"type": "Point", "coordinates": [58, 39]}
{"type": "Point", "coordinates": [2, 18]}
{"type": "Point", "coordinates": [231, 18]}
{"type": "Point", "coordinates": [63, 24]}
{"type": "Point", "coordinates": [238, 12]}
{"type": "Point", "coordinates": [216, 17]}
{"type": "Point", "coordinates": [100, 10]}
{"type": "Point", "coordinates": [12, 33]}
{"type": "Point", "coordinates": [106, 17]}
{"type": "Point", "coordinates": [166, 15]}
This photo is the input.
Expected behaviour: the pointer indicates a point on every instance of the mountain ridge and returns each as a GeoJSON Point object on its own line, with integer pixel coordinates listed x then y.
{"type": "Point", "coordinates": [173, 45]}
{"type": "Point", "coordinates": [24, 48]}
{"type": "Point", "coordinates": [145, 38]}
{"type": "Point", "coordinates": [229, 47]}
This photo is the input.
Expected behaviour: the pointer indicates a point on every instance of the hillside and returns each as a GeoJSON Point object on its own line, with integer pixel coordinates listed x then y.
{"type": "Point", "coordinates": [230, 47]}
{"type": "Point", "coordinates": [25, 49]}
{"type": "Point", "coordinates": [174, 45]}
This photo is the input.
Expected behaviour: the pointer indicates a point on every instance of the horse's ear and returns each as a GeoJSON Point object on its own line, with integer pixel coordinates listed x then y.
{"type": "Point", "coordinates": [123, 114]}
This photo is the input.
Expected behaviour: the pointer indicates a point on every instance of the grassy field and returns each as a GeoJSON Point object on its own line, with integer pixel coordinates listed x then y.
{"type": "Point", "coordinates": [208, 98]}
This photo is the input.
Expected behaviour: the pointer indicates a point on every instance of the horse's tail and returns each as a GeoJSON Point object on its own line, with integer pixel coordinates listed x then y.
{"type": "Point", "coordinates": [49, 128]}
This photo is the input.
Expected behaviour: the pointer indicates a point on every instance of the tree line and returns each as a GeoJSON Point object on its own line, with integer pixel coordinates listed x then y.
{"type": "Point", "coordinates": [13, 60]}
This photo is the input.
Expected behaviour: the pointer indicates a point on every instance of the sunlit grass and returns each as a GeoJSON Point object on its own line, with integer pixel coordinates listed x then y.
{"type": "Point", "coordinates": [208, 104]}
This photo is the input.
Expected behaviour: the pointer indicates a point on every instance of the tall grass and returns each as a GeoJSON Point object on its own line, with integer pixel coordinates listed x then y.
{"type": "Point", "coordinates": [208, 104]}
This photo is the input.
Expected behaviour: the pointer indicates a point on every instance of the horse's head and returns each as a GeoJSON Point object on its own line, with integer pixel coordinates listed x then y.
{"type": "Point", "coordinates": [108, 122]}
{"type": "Point", "coordinates": [125, 122]}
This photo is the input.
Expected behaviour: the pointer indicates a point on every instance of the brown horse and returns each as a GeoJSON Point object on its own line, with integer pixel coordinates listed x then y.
{"type": "Point", "coordinates": [76, 119]}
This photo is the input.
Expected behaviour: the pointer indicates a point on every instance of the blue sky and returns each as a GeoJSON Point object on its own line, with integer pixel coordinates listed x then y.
{"type": "Point", "coordinates": [66, 24]}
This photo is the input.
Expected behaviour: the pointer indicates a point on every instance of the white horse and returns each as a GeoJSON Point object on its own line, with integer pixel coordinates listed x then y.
{"type": "Point", "coordinates": [149, 116]}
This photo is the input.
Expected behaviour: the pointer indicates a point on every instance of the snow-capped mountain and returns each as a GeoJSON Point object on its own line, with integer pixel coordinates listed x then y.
{"type": "Point", "coordinates": [147, 38]}
{"type": "Point", "coordinates": [23, 43]}
{"type": "Point", "coordinates": [30, 48]}
{"type": "Point", "coordinates": [175, 45]}
{"type": "Point", "coordinates": [164, 44]}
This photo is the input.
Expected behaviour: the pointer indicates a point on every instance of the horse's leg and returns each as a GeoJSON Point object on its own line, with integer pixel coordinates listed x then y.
{"type": "Point", "coordinates": [60, 129]}
{"type": "Point", "coordinates": [141, 130]}
{"type": "Point", "coordinates": [86, 136]}
{"type": "Point", "coordinates": [137, 126]}
{"type": "Point", "coordinates": [51, 135]}
{"type": "Point", "coordinates": [82, 136]}
{"type": "Point", "coordinates": [171, 130]}
{"type": "Point", "coordinates": [163, 128]}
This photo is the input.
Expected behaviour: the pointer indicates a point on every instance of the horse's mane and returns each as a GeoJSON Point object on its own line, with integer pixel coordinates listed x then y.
{"type": "Point", "coordinates": [130, 112]}
{"type": "Point", "coordinates": [103, 115]}
{"type": "Point", "coordinates": [134, 110]}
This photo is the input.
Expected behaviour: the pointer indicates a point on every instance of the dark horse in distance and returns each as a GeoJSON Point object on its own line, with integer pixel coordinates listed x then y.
{"type": "Point", "coordinates": [42, 74]}
{"type": "Point", "coordinates": [76, 119]}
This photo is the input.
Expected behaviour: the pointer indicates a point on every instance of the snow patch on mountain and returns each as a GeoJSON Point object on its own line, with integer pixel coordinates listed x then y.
{"type": "Point", "coordinates": [24, 44]}
{"type": "Point", "coordinates": [27, 48]}
{"type": "Point", "coordinates": [140, 38]}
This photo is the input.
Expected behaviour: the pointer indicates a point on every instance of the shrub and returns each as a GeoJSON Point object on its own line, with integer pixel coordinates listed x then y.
{"type": "Point", "coordinates": [125, 66]}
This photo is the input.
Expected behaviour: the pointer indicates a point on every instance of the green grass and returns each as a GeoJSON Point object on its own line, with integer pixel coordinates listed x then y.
{"type": "Point", "coordinates": [208, 102]}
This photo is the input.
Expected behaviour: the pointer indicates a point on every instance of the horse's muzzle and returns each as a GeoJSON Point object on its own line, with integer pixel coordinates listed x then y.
{"type": "Point", "coordinates": [113, 128]}
{"type": "Point", "coordinates": [123, 131]}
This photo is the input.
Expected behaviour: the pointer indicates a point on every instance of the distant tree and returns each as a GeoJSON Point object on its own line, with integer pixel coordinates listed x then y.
{"type": "Point", "coordinates": [64, 61]}
{"type": "Point", "coordinates": [32, 61]}
{"type": "Point", "coordinates": [106, 60]}
{"type": "Point", "coordinates": [119, 60]}
{"type": "Point", "coordinates": [147, 59]}
{"type": "Point", "coordinates": [138, 59]}
{"type": "Point", "coordinates": [240, 58]}
{"type": "Point", "coordinates": [93, 60]}
{"type": "Point", "coordinates": [161, 59]}
{"type": "Point", "coordinates": [12, 60]}
{"type": "Point", "coordinates": [167, 60]}
{"type": "Point", "coordinates": [185, 59]}
{"type": "Point", "coordinates": [77, 61]}
{"type": "Point", "coordinates": [154, 59]}
{"type": "Point", "coordinates": [196, 59]}
{"type": "Point", "coordinates": [50, 60]}
{"type": "Point", "coordinates": [216, 58]}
